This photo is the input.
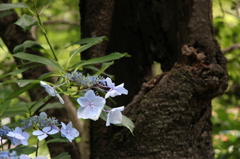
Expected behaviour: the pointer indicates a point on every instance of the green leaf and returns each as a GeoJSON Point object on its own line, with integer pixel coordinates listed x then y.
{"type": "Point", "coordinates": [63, 155]}
{"type": "Point", "coordinates": [126, 122]}
{"type": "Point", "coordinates": [7, 6]}
{"type": "Point", "coordinates": [104, 67]}
{"type": "Point", "coordinates": [27, 44]}
{"type": "Point", "coordinates": [57, 140]}
{"type": "Point", "coordinates": [5, 13]}
{"type": "Point", "coordinates": [55, 105]}
{"type": "Point", "coordinates": [3, 106]}
{"type": "Point", "coordinates": [20, 108]}
{"type": "Point", "coordinates": [26, 22]}
{"type": "Point", "coordinates": [110, 57]}
{"type": "Point", "coordinates": [18, 71]}
{"type": "Point", "coordinates": [19, 91]}
{"type": "Point", "coordinates": [24, 149]}
{"type": "Point", "coordinates": [94, 41]}
{"type": "Point", "coordinates": [89, 42]}
{"type": "Point", "coordinates": [21, 83]}
{"type": "Point", "coordinates": [98, 70]}
{"type": "Point", "coordinates": [39, 59]}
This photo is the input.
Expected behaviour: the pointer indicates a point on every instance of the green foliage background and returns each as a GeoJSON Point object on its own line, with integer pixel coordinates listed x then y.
{"type": "Point", "coordinates": [226, 126]}
{"type": "Point", "coordinates": [62, 21]}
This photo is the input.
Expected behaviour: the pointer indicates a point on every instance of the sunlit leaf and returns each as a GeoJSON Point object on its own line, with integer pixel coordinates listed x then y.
{"type": "Point", "coordinates": [27, 44]}
{"type": "Point", "coordinates": [94, 41]}
{"type": "Point", "coordinates": [26, 22]}
{"type": "Point", "coordinates": [63, 155]}
{"type": "Point", "coordinates": [110, 57]}
{"type": "Point", "coordinates": [39, 59]}
{"type": "Point", "coordinates": [7, 6]}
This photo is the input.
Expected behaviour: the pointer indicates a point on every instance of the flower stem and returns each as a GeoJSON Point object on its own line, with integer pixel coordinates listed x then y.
{"type": "Point", "coordinates": [44, 31]}
{"type": "Point", "coordinates": [2, 144]}
{"type": "Point", "coordinates": [37, 148]}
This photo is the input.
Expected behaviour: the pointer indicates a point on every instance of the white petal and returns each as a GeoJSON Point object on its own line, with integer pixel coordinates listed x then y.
{"type": "Point", "coordinates": [97, 116]}
{"type": "Point", "coordinates": [110, 84]}
{"type": "Point", "coordinates": [121, 89]}
{"type": "Point", "coordinates": [115, 117]}
{"type": "Point", "coordinates": [60, 99]}
{"type": "Point", "coordinates": [53, 131]}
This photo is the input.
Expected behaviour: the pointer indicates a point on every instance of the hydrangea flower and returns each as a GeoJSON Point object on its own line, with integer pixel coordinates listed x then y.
{"type": "Point", "coordinates": [114, 90]}
{"type": "Point", "coordinates": [45, 131]}
{"type": "Point", "coordinates": [51, 91]}
{"type": "Point", "coordinates": [23, 156]}
{"type": "Point", "coordinates": [90, 105]}
{"type": "Point", "coordinates": [18, 136]}
{"type": "Point", "coordinates": [68, 131]}
{"type": "Point", "coordinates": [4, 154]}
{"type": "Point", "coordinates": [115, 116]}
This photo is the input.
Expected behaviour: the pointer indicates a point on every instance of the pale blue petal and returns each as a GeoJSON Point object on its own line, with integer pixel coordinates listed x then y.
{"type": "Point", "coordinates": [90, 95]}
{"type": "Point", "coordinates": [60, 99]}
{"type": "Point", "coordinates": [41, 137]}
{"type": "Point", "coordinates": [99, 102]}
{"type": "Point", "coordinates": [69, 126]}
{"type": "Point", "coordinates": [26, 135]}
{"type": "Point", "coordinates": [51, 91]}
{"type": "Point", "coordinates": [23, 156]}
{"type": "Point", "coordinates": [97, 116]}
{"type": "Point", "coordinates": [74, 132]}
{"type": "Point", "coordinates": [15, 141]}
{"type": "Point", "coordinates": [11, 134]}
{"type": "Point", "coordinates": [40, 157]}
{"type": "Point", "coordinates": [121, 89]}
{"type": "Point", "coordinates": [83, 101]}
{"type": "Point", "coordinates": [87, 112]}
{"type": "Point", "coordinates": [46, 129]}
{"type": "Point", "coordinates": [53, 131]}
{"type": "Point", "coordinates": [115, 117]}
{"type": "Point", "coordinates": [118, 109]}
{"type": "Point", "coordinates": [63, 125]}
{"type": "Point", "coordinates": [110, 84]}
{"type": "Point", "coordinates": [108, 121]}
{"type": "Point", "coordinates": [37, 132]}
{"type": "Point", "coordinates": [18, 130]}
{"type": "Point", "coordinates": [112, 93]}
{"type": "Point", "coordinates": [24, 142]}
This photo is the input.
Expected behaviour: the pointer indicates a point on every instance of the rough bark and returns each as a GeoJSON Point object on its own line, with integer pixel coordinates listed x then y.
{"type": "Point", "coordinates": [12, 35]}
{"type": "Point", "coordinates": [172, 112]}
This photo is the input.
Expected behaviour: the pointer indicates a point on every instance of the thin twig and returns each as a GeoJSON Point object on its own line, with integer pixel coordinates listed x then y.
{"type": "Point", "coordinates": [231, 48]}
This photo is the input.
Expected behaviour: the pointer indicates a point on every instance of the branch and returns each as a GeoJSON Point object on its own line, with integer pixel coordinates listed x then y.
{"type": "Point", "coordinates": [82, 127]}
{"type": "Point", "coordinates": [62, 22]}
{"type": "Point", "coordinates": [231, 48]}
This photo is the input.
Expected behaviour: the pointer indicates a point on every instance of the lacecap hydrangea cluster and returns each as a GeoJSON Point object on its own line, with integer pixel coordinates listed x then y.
{"type": "Point", "coordinates": [91, 105]}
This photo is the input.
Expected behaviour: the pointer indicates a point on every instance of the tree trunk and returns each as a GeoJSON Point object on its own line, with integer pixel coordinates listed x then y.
{"type": "Point", "coordinates": [12, 35]}
{"type": "Point", "coordinates": [172, 112]}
